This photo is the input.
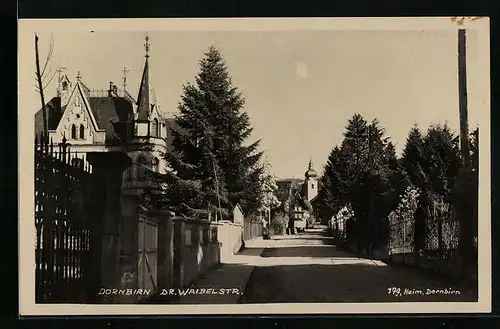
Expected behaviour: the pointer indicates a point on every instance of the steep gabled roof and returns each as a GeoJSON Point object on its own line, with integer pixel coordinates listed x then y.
{"type": "Point", "coordinates": [128, 97]}
{"type": "Point", "coordinates": [85, 89]}
{"type": "Point", "coordinates": [54, 113]}
{"type": "Point", "coordinates": [111, 114]}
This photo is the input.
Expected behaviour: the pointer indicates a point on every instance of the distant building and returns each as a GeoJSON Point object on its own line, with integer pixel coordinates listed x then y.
{"type": "Point", "coordinates": [297, 196]}
{"type": "Point", "coordinates": [111, 120]}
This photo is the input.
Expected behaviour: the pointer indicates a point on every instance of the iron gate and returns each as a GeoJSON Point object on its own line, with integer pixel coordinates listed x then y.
{"type": "Point", "coordinates": [64, 253]}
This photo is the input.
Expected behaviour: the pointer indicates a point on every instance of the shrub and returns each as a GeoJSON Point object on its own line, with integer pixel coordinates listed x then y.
{"type": "Point", "coordinates": [279, 223]}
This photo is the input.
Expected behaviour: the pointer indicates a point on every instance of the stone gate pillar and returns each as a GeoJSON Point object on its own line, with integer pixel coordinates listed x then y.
{"type": "Point", "coordinates": [179, 250]}
{"type": "Point", "coordinates": [165, 248]}
{"type": "Point", "coordinates": [129, 253]}
{"type": "Point", "coordinates": [107, 169]}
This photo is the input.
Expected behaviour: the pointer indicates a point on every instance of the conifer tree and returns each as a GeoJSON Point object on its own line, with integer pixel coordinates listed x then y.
{"type": "Point", "coordinates": [239, 160]}
{"type": "Point", "coordinates": [331, 183]}
{"type": "Point", "coordinates": [196, 179]}
{"type": "Point", "coordinates": [442, 152]}
{"type": "Point", "coordinates": [211, 160]}
{"type": "Point", "coordinates": [413, 159]}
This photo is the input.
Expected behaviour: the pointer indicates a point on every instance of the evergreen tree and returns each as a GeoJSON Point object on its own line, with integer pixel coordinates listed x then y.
{"type": "Point", "coordinates": [398, 180]}
{"type": "Point", "coordinates": [210, 150]}
{"type": "Point", "coordinates": [413, 160]}
{"type": "Point", "coordinates": [375, 186]}
{"type": "Point", "coordinates": [355, 142]}
{"type": "Point", "coordinates": [239, 161]}
{"type": "Point", "coordinates": [196, 179]}
{"type": "Point", "coordinates": [330, 194]}
{"type": "Point", "coordinates": [442, 154]}
{"type": "Point", "coordinates": [354, 148]}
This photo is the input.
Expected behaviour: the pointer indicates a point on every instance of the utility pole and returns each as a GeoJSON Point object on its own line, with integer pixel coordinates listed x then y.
{"type": "Point", "coordinates": [465, 212]}
{"type": "Point", "coordinates": [462, 94]}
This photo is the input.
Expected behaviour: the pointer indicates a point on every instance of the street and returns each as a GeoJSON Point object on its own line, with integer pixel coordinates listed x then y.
{"type": "Point", "coordinates": [307, 267]}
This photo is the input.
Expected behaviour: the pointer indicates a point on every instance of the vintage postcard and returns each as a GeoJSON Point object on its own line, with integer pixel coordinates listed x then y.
{"type": "Point", "coordinates": [254, 166]}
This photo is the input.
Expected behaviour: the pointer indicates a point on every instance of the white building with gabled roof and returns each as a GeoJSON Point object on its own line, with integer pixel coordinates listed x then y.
{"type": "Point", "coordinates": [111, 120]}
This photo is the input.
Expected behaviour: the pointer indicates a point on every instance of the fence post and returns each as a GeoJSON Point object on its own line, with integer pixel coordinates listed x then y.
{"type": "Point", "coordinates": [165, 249]}
{"type": "Point", "coordinates": [108, 170]}
{"type": "Point", "coordinates": [179, 248]}
{"type": "Point", "coordinates": [129, 241]}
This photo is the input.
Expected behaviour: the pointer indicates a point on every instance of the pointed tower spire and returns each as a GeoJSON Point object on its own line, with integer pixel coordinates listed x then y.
{"type": "Point", "coordinates": [143, 102]}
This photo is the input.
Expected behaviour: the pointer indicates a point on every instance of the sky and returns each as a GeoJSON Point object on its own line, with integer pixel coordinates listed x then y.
{"type": "Point", "coordinates": [300, 87]}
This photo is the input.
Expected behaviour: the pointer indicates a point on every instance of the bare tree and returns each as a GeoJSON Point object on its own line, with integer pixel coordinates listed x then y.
{"type": "Point", "coordinates": [43, 79]}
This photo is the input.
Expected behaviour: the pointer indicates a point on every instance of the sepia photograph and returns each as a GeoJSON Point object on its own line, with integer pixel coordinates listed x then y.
{"type": "Point", "coordinates": [254, 166]}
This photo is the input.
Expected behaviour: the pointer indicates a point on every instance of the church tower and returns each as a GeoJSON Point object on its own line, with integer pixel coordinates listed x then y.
{"type": "Point", "coordinates": [149, 134]}
{"type": "Point", "coordinates": [310, 183]}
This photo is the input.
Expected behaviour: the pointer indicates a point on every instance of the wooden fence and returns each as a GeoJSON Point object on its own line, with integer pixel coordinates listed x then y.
{"type": "Point", "coordinates": [252, 228]}
{"type": "Point", "coordinates": [64, 250]}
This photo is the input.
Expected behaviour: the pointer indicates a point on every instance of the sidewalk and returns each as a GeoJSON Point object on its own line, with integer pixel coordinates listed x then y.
{"type": "Point", "coordinates": [226, 283]}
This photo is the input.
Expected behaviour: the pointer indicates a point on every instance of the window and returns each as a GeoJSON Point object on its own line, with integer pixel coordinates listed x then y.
{"type": "Point", "coordinates": [142, 166]}
{"type": "Point", "coordinates": [155, 129]}
{"type": "Point", "coordinates": [154, 164]}
{"type": "Point", "coordinates": [312, 186]}
{"type": "Point", "coordinates": [82, 132]}
{"type": "Point", "coordinates": [73, 132]}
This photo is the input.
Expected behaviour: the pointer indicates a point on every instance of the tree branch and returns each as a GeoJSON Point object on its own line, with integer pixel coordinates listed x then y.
{"type": "Point", "coordinates": [39, 79]}
{"type": "Point", "coordinates": [50, 80]}
{"type": "Point", "coordinates": [49, 55]}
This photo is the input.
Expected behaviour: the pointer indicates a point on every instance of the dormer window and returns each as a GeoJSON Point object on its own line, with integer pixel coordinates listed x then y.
{"type": "Point", "coordinates": [65, 85]}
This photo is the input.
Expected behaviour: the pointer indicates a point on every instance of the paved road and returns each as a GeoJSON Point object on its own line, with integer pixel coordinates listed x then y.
{"type": "Point", "coordinates": [308, 268]}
